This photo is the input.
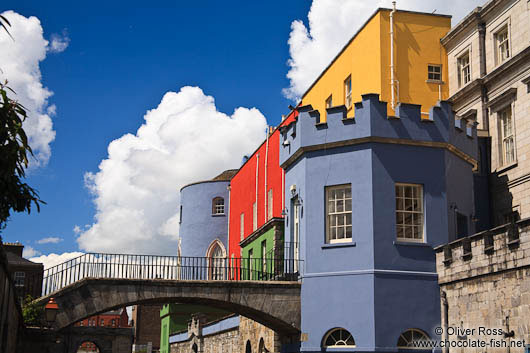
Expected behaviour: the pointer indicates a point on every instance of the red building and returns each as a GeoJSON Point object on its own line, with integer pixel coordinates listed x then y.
{"type": "Point", "coordinates": [257, 199]}
{"type": "Point", "coordinates": [115, 318]}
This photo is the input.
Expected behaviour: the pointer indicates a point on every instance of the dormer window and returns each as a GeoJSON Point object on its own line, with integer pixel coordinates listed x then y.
{"type": "Point", "coordinates": [218, 206]}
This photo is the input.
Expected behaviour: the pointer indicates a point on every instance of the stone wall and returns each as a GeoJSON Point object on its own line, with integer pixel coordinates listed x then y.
{"type": "Point", "coordinates": [233, 339]}
{"type": "Point", "coordinates": [485, 279]}
{"type": "Point", "coordinates": [147, 324]}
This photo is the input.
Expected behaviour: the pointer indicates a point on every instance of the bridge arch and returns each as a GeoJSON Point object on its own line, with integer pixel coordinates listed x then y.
{"type": "Point", "coordinates": [272, 304]}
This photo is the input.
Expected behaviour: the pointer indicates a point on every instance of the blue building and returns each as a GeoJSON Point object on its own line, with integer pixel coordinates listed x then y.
{"type": "Point", "coordinates": [204, 214]}
{"type": "Point", "coordinates": [367, 199]}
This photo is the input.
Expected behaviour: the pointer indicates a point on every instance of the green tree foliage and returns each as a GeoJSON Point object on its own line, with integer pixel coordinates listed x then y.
{"type": "Point", "coordinates": [15, 195]}
{"type": "Point", "coordinates": [31, 312]}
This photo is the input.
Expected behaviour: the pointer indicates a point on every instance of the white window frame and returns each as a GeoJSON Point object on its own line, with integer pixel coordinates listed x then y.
{"type": "Point", "coordinates": [218, 206]}
{"type": "Point", "coordinates": [19, 278]}
{"type": "Point", "coordinates": [333, 216]}
{"type": "Point", "coordinates": [242, 226]}
{"type": "Point", "coordinates": [270, 204]}
{"type": "Point", "coordinates": [431, 70]}
{"type": "Point", "coordinates": [348, 102]}
{"type": "Point", "coordinates": [340, 341]}
{"type": "Point", "coordinates": [505, 138]}
{"type": "Point", "coordinates": [464, 71]}
{"type": "Point", "coordinates": [503, 49]}
{"type": "Point", "coordinates": [402, 208]}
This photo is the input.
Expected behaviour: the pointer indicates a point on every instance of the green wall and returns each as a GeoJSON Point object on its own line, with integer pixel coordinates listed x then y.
{"type": "Point", "coordinates": [256, 263]}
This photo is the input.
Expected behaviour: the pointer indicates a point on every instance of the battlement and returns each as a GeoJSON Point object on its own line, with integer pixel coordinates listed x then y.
{"type": "Point", "coordinates": [371, 124]}
{"type": "Point", "coordinates": [499, 249]}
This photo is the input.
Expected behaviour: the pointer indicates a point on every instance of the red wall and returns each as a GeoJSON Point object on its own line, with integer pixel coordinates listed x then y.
{"type": "Point", "coordinates": [243, 188]}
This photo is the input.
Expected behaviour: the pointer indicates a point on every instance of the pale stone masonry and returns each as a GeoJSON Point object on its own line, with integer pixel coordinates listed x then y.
{"type": "Point", "coordinates": [496, 38]}
{"type": "Point", "coordinates": [485, 280]}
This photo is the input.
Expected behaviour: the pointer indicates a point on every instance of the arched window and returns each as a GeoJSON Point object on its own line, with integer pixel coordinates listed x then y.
{"type": "Point", "coordinates": [218, 206]}
{"type": "Point", "coordinates": [410, 338]}
{"type": "Point", "coordinates": [194, 348]}
{"type": "Point", "coordinates": [261, 347]}
{"type": "Point", "coordinates": [216, 260]}
{"type": "Point", "coordinates": [338, 337]}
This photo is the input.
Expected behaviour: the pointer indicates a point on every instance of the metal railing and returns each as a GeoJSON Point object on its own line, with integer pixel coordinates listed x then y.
{"type": "Point", "coordinates": [120, 266]}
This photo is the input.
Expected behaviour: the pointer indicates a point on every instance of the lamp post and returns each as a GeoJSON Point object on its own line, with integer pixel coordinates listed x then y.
{"type": "Point", "coordinates": [50, 311]}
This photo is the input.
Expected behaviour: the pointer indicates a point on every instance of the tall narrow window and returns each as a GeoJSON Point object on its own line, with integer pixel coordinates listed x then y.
{"type": "Point", "coordinates": [434, 72]}
{"type": "Point", "coordinates": [264, 257]}
{"type": "Point", "coordinates": [347, 92]}
{"type": "Point", "coordinates": [329, 102]}
{"type": "Point", "coordinates": [251, 264]}
{"type": "Point", "coordinates": [218, 206]}
{"type": "Point", "coordinates": [269, 204]}
{"type": "Point", "coordinates": [502, 45]}
{"type": "Point", "coordinates": [338, 214]}
{"type": "Point", "coordinates": [241, 226]}
{"type": "Point", "coordinates": [464, 70]}
{"type": "Point", "coordinates": [254, 216]}
{"type": "Point", "coordinates": [19, 279]}
{"type": "Point", "coordinates": [409, 212]}
{"type": "Point", "coordinates": [507, 135]}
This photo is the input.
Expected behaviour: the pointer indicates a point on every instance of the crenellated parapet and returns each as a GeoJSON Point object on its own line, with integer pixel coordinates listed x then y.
{"type": "Point", "coordinates": [439, 129]}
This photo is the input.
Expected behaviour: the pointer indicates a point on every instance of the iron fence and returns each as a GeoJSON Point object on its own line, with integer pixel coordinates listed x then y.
{"type": "Point", "coordinates": [120, 266]}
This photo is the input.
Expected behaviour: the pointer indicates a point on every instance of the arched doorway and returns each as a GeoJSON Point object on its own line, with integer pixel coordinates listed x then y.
{"type": "Point", "coordinates": [248, 347]}
{"type": "Point", "coordinates": [216, 261]}
{"type": "Point", "coordinates": [88, 347]}
{"type": "Point", "coordinates": [194, 348]}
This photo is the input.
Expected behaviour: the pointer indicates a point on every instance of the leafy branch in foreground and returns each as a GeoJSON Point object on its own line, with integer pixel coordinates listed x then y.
{"type": "Point", "coordinates": [15, 195]}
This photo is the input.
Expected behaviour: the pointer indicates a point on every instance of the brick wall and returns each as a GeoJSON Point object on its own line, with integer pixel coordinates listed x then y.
{"type": "Point", "coordinates": [485, 279]}
{"type": "Point", "coordinates": [147, 324]}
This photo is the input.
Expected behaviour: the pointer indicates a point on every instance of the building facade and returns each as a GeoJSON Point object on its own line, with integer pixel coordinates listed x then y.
{"type": "Point", "coordinates": [489, 78]}
{"type": "Point", "coordinates": [27, 275]}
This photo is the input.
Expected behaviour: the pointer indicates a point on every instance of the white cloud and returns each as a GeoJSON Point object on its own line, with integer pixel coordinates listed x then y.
{"type": "Point", "coordinates": [52, 259]}
{"type": "Point", "coordinates": [333, 22]}
{"type": "Point", "coordinates": [19, 64]}
{"type": "Point", "coordinates": [136, 190]}
{"type": "Point", "coordinates": [49, 240]}
{"type": "Point", "coordinates": [29, 252]}
{"type": "Point", "coordinates": [59, 42]}
{"type": "Point", "coordinates": [77, 229]}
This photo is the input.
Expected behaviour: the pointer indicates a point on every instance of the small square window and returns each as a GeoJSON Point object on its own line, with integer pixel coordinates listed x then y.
{"type": "Point", "coordinates": [409, 212]}
{"type": "Point", "coordinates": [218, 206]}
{"type": "Point", "coordinates": [434, 73]}
{"type": "Point", "coordinates": [338, 214]}
{"type": "Point", "coordinates": [19, 279]}
{"type": "Point", "coordinates": [464, 70]}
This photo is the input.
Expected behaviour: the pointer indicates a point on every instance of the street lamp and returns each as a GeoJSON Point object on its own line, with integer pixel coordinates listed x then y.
{"type": "Point", "coordinates": [50, 311]}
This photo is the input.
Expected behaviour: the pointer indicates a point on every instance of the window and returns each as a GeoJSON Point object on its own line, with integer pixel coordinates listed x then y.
{"type": "Point", "coordinates": [102, 322]}
{"type": "Point", "coordinates": [19, 279]}
{"type": "Point", "coordinates": [347, 92]}
{"type": "Point", "coordinates": [269, 205]}
{"type": "Point", "coordinates": [412, 338]}
{"type": "Point", "coordinates": [338, 214]}
{"type": "Point", "coordinates": [464, 70]}
{"type": "Point", "coordinates": [218, 206]}
{"type": "Point", "coordinates": [409, 212]}
{"type": "Point", "coordinates": [242, 226]}
{"type": "Point", "coordinates": [180, 214]}
{"type": "Point", "coordinates": [338, 337]}
{"type": "Point", "coordinates": [434, 73]}
{"type": "Point", "coordinates": [254, 216]}
{"type": "Point", "coordinates": [264, 256]}
{"type": "Point", "coordinates": [329, 102]}
{"type": "Point", "coordinates": [250, 264]}
{"type": "Point", "coordinates": [502, 45]}
{"type": "Point", "coordinates": [461, 225]}
{"type": "Point", "coordinates": [507, 135]}
{"type": "Point", "coordinates": [113, 322]}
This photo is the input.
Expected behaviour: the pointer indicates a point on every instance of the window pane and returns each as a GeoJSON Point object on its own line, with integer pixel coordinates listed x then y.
{"type": "Point", "coordinates": [340, 206]}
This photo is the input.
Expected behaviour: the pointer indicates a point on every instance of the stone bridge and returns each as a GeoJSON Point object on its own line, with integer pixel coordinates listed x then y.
{"type": "Point", "coordinates": [275, 304]}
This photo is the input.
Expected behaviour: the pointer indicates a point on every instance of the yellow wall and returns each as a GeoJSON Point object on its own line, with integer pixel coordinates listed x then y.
{"type": "Point", "coordinates": [367, 59]}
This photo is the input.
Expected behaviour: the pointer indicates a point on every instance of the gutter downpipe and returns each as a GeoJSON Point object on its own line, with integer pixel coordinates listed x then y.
{"type": "Point", "coordinates": [266, 160]}
{"type": "Point", "coordinates": [392, 74]}
{"type": "Point", "coordinates": [257, 171]}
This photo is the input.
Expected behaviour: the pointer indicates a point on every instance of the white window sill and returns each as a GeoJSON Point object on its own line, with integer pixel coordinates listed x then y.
{"type": "Point", "coordinates": [438, 82]}
{"type": "Point", "coordinates": [339, 245]}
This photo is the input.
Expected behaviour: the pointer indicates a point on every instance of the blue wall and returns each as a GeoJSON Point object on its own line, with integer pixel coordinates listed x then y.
{"type": "Point", "coordinates": [198, 227]}
{"type": "Point", "coordinates": [375, 287]}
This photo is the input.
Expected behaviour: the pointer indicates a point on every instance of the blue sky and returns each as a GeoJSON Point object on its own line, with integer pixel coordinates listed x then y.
{"type": "Point", "coordinates": [122, 58]}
